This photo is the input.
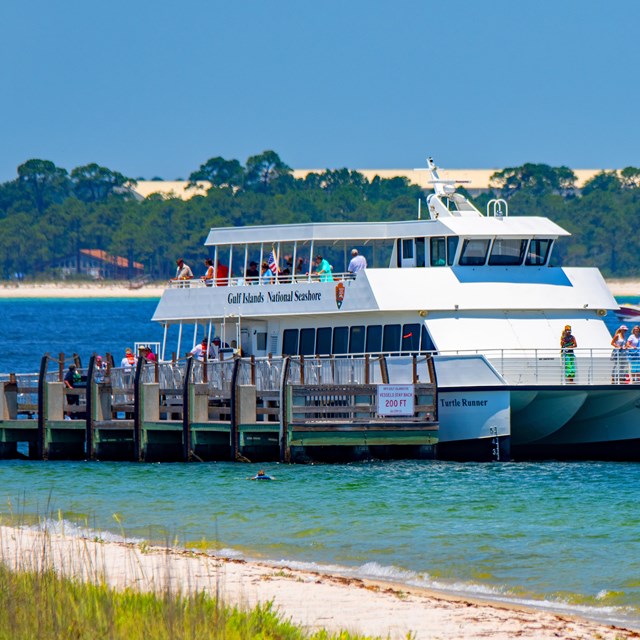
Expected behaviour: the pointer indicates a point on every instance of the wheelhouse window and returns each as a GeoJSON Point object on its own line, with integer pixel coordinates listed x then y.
{"type": "Point", "coordinates": [452, 246]}
{"type": "Point", "coordinates": [290, 342]}
{"type": "Point", "coordinates": [323, 341]}
{"type": "Point", "coordinates": [341, 340]}
{"type": "Point", "coordinates": [420, 252]}
{"type": "Point", "coordinates": [407, 249]}
{"type": "Point", "coordinates": [474, 252]}
{"type": "Point", "coordinates": [307, 342]}
{"type": "Point", "coordinates": [507, 251]}
{"type": "Point", "coordinates": [356, 339]}
{"type": "Point", "coordinates": [438, 252]}
{"type": "Point", "coordinates": [538, 252]}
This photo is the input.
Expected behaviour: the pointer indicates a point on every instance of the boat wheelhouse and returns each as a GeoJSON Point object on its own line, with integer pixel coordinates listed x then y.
{"type": "Point", "coordinates": [478, 291]}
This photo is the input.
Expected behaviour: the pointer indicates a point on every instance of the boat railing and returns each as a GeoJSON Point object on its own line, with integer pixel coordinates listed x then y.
{"type": "Point", "coordinates": [553, 367]}
{"type": "Point", "coordinates": [516, 366]}
{"type": "Point", "coordinates": [239, 281]}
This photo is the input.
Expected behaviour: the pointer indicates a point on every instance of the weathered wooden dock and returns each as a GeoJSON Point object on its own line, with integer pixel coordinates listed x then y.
{"type": "Point", "coordinates": [291, 409]}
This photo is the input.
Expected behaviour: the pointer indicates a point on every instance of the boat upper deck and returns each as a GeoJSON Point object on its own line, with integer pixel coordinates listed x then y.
{"type": "Point", "coordinates": [368, 232]}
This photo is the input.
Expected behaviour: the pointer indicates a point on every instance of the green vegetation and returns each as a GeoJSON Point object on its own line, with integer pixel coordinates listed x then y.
{"type": "Point", "coordinates": [45, 606]}
{"type": "Point", "coordinates": [48, 214]}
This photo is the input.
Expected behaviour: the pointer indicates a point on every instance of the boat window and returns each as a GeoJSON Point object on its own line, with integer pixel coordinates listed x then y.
{"type": "Point", "coordinates": [323, 340]}
{"type": "Point", "coordinates": [290, 342]}
{"type": "Point", "coordinates": [420, 260]}
{"type": "Point", "coordinates": [452, 246]}
{"type": "Point", "coordinates": [538, 252]}
{"type": "Point", "coordinates": [340, 340]}
{"type": "Point", "coordinates": [407, 249]}
{"type": "Point", "coordinates": [438, 252]}
{"type": "Point", "coordinates": [474, 252]}
{"type": "Point", "coordinates": [356, 340]}
{"type": "Point", "coordinates": [507, 251]}
{"type": "Point", "coordinates": [374, 338]}
{"type": "Point", "coordinates": [307, 342]}
{"type": "Point", "coordinates": [391, 338]}
{"type": "Point", "coordinates": [426, 343]}
{"type": "Point", "coordinates": [261, 341]}
{"type": "Point", "coordinates": [411, 337]}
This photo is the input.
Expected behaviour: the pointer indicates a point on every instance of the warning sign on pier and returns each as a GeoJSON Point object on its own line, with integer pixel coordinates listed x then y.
{"type": "Point", "coordinates": [396, 400]}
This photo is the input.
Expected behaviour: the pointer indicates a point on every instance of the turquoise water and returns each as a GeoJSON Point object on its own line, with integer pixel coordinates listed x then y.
{"type": "Point", "coordinates": [563, 535]}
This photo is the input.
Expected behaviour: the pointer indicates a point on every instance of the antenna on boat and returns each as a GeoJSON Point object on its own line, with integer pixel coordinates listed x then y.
{"type": "Point", "coordinates": [419, 208]}
{"type": "Point", "coordinates": [442, 187]}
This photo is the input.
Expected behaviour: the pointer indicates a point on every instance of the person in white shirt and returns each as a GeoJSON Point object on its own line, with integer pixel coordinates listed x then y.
{"type": "Point", "coordinates": [183, 271]}
{"type": "Point", "coordinates": [129, 361]}
{"type": "Point", "coordinates": [202, 349]}
{"type": "Point", "coordinates": [358, 262]}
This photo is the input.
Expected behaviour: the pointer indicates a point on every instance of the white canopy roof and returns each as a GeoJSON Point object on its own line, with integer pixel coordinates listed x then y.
{"type": "Point", "coordinates": [516, 227]}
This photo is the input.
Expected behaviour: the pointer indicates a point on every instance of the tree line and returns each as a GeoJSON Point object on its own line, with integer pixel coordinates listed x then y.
{"type": "Point", "coordinates": [48, 214]}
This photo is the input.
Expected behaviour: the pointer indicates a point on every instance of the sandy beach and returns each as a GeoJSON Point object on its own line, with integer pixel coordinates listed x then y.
{"type": "Point", "coordinates": [109, 289]}
{"type": "Point", "coordinates": [115, 289]}
{"type": "Point", "coordinates": [313, 600]}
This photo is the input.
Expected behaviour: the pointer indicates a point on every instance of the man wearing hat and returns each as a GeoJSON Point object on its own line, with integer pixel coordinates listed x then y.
{"type": "Point", "coordinates": [217, 345]}
{"type": "Point", "coordinates": [183, 271]}
{"type": "Point", "coordinates": [203, 350]}
{"type": "Point", "coordinates": [567, 345]}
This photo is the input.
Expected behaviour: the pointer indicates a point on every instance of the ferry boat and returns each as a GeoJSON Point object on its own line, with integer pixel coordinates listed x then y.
{"type": "Point", "coordinates": [478, 291]}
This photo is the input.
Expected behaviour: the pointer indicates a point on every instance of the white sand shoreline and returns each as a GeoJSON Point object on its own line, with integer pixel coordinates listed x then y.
{"type": "Point", "coordinates": [314, 600]}
{"type": "Point", "coordinates": [120, 289]}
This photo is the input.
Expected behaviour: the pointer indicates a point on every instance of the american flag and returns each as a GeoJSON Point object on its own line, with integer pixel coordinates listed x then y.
{"type": "Point", "coordinates": [272, 262]}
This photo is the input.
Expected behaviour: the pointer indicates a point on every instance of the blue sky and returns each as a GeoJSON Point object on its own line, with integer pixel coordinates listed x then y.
{"type": "Point", "coordinates": [155, 88]}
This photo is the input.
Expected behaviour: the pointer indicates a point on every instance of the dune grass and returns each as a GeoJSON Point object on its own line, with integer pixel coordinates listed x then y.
{"type": "Point", "coordinates": [45, 606]}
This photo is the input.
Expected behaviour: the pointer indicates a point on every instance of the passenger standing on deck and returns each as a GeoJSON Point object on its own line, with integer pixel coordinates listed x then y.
{"type": "Point", "coordinates": [129, 360]}
{"type": "Point", "coordinates": [203, 349]}
{"type": "Point", "coordinates": [208, 276]}
{"type": "Point", "coordinates": [358, 262]}
{"type": "Point", "coordinates": [183, 271]}
{"type": "Point", "coordinates": [267, 276]}
{"type": "Point", "coordinates": [633, 351]}
{"type": "Point", "coordinates": [252, 275]}
{"type": "Point", "coordinates": [324, 269]}
{"type": "Point", "coordinates": [619, 356]}
{"type": "Point", "coordinates": [71, 378]}
{"type": "Point", "coordinates": [217, 345]}
{"type": "Point", "coordinates": [567, 345]}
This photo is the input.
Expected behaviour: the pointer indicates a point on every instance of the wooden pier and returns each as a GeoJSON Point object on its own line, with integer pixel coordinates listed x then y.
{"type": "Point", "coordinates": [292, 409]}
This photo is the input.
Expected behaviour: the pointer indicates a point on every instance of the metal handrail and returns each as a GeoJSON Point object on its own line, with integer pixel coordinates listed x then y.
{"type": "Point", "coordinates": [239, 281]}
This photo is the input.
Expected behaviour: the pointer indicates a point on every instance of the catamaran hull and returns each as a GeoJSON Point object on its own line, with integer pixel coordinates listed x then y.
{"type": "Point", "coordinates": [553, 422]}
{"type": "Point", "coordinates": [595, 422]}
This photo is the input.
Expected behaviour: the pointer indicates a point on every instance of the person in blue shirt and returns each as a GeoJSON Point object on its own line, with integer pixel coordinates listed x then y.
{"type": "Point", "coordinates": [324, 269]}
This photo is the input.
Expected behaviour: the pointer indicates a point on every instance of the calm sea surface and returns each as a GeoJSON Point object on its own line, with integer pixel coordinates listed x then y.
{"type": "Point", "coordinates": [561, 535]}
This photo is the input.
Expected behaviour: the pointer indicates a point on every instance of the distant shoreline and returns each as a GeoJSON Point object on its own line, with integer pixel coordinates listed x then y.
{"type": "Point", "coordinates": [61, 290]}
{"type": "Point", "coordinates": [112, 289]}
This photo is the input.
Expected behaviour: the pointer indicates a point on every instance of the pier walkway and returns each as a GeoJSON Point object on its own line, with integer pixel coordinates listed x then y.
{"type": "Point", "coordinates": [293, 409]}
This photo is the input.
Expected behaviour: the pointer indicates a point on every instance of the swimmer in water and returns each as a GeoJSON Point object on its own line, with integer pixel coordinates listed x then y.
{"type": "Point", "coordinates": [261, 475]}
